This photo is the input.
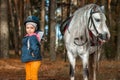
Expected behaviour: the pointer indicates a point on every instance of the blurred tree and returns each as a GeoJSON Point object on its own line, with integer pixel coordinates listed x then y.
{"type": "Point", "coordinates": [52, 29]}
{"type": "Point", "coordinates": [11, 24]}
{"type": "Point", "coordinates": [16, 17]}
{"type": "Point", "coordinates": [22, 18]}
{"type": "Point", "coordinates": [68, 8]}
{"type": "Point", "coordinates": [27, 8]}
{"type": "Point", "coordinates": [42, 22]}
{"type": "Point", "coordinates": [111, 47]}
{"type": "Point", "coordinates": [118, 28]}
{"type": "Point", "coordinates": [4, 32]}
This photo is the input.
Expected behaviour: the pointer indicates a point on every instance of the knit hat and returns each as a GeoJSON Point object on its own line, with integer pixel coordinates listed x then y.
{"type": "Point", "coordinates": [33, 24]}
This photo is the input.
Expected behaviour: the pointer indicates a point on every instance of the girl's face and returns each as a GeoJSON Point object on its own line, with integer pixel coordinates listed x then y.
{"type": "Point", "coordinates": [30, 29]}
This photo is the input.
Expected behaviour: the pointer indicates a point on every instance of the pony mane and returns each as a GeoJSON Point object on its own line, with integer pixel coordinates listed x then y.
{"type": "Point", "coordinates": [84, 8]}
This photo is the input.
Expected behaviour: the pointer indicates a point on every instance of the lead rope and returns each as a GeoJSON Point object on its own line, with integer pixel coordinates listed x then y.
{"type": "Point", "coordinates": [97, 54]}
{"type": "Point", "coordinates": [97, 45]}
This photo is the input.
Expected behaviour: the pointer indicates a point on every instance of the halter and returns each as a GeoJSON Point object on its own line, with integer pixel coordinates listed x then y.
{"type": "Point", "coordinates": [90, 33]}
{"type": "Point", "coordinates": [91, 18]}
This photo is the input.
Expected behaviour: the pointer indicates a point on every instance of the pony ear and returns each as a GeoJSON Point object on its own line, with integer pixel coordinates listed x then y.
{"type": "Point", "coordinates": [103, 9]}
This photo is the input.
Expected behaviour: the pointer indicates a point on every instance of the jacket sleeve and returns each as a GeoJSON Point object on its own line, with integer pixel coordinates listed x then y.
{"type": "Point", "coordinates": [34, 44]}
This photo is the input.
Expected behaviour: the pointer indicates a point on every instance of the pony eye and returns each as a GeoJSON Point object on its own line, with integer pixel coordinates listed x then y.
{"type": "Point", "coordinates": [98, 20]}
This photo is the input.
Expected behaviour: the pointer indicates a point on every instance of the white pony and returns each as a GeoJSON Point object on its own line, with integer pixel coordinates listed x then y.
{"type": "Point", "coordinates": [85, 35]}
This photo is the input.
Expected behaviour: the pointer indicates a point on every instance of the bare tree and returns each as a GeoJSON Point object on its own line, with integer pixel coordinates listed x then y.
{"type": "Point", "coordinates": [21, 18]}
{"type": "Point", "coordinates": [4, 35]}
{"type": "Point", "coordinates": [118, 29]}
{"type": "Point", "coordinates": [14, 26]}
{"type": "Point", "coordinates": [52, 29]}
{"type": "Point", "coordinates": [27, 8]}
{"type": "Point", "coordinates": [42, 22]}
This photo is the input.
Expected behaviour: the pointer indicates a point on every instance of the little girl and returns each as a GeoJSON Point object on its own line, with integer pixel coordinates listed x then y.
{"type": "Point", "coordinates": [31, 48]}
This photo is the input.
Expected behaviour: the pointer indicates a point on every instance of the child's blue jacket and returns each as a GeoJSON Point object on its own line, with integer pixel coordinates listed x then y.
{"type": "Point", "coordinates": [30, 49]}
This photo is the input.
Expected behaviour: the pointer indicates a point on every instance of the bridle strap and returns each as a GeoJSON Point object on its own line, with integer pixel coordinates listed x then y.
{"type": "Point", "coordinates": [92, 22]}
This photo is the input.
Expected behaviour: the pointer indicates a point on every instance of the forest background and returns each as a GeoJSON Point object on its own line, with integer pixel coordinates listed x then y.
{"type": "Point", "coordinates": [51, 14]}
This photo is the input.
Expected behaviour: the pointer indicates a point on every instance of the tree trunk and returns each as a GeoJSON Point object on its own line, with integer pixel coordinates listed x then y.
{"type": "Point", "coordinates": [80, 3]}
{"type": "Point", "coordinates": [11, 45]}
{"type": "Point", "coordinates": [52, 29]}
{"type": "Point", "coordinates": [118, 29]}
{"type": "Point", "coordinates": [22, 18]}
{"type": "Point", "coordinates": [68, 8]}
{"type": "Point", "coordinates": [16, 27]}
{"type": "Point", "coordinates": [42, 23]}
{"type": "Point", "coordinates": [27, 8]}
{"type": "Point", "coordinates": [110, 47]}
{"type": "Point", "coordinates": [118, 42]}
{"type": "Point", "coordinates": [4, 36]}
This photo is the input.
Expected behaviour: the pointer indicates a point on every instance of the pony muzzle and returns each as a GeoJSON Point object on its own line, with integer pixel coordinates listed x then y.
{"type": "Point", "coordinates": [103, 37]}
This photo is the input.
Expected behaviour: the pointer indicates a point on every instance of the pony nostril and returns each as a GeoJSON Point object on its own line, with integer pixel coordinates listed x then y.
{"type": "Point", "coordinates": [107, 36]}
{"type": "Point", "coordinates": [103, 36]}
{"type": "Point", "coordinates": [100, 36]}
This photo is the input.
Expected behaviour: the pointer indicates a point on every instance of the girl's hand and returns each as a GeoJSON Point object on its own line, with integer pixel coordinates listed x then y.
{"type": "Point", "coordinates": [33, 55]}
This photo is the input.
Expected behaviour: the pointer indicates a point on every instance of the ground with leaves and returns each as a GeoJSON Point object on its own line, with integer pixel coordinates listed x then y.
{"type": "Point", "coordinates": [13, 69]}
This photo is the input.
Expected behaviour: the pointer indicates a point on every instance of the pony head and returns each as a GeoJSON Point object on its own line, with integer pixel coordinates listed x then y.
{"type": "Point", "coordinates": [97, 23]}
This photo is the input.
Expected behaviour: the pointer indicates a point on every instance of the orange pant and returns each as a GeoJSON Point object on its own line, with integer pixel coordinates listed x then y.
{"type": "Point", "coordinates": [32, 69]}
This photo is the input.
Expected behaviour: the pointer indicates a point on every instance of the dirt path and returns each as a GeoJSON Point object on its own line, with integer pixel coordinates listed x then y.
{"type": "Point", "coordinates": [13, 69]}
